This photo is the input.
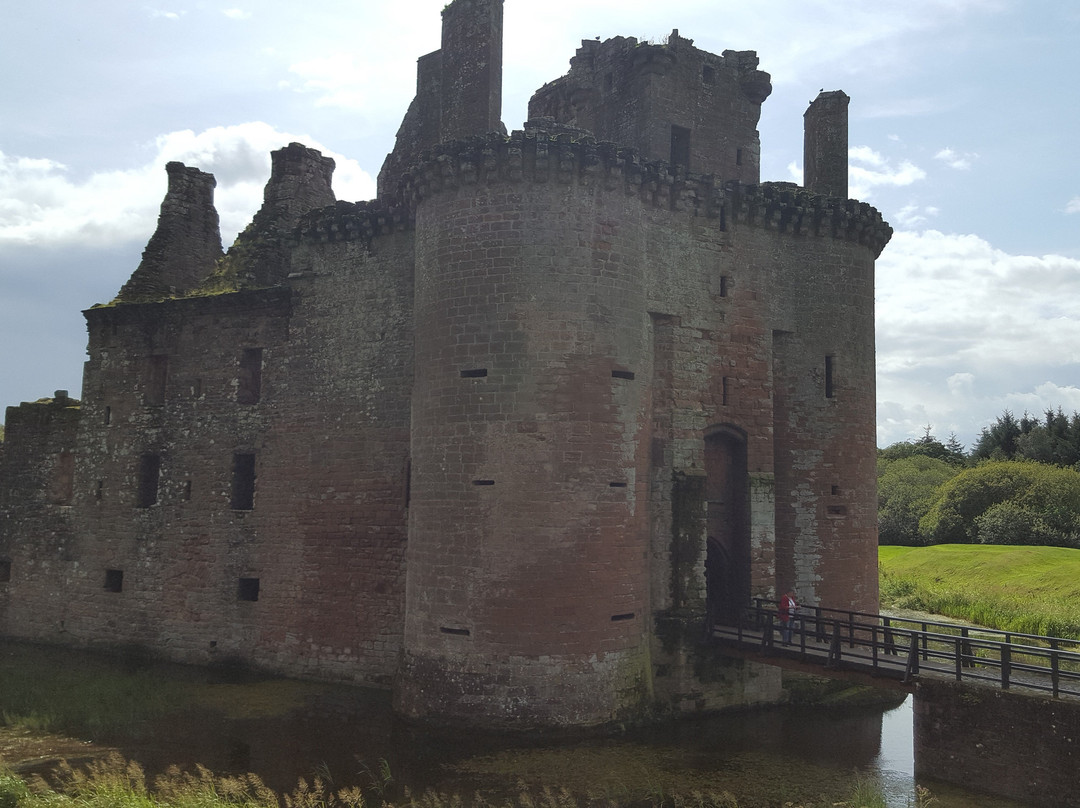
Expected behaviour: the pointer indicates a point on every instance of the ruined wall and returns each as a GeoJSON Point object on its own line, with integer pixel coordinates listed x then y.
{"type": "Point", "coordinates": [671, 102]}
{"type": "Point", "coordinates": [37, 521]}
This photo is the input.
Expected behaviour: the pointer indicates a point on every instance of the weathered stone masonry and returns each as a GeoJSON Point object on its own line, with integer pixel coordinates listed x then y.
{"type": "Point", "coordinates": [503, 438]}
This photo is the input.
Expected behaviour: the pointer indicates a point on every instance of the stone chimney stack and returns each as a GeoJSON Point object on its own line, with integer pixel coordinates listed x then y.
{"type": "Point", "coordinates": [472, 33]}
{"type": "Point", "coordinates": [187, 241]}
{"type": "Point", "coordinates": [300, 181]}
{"type": "Point", "coordinates": [825, 145]}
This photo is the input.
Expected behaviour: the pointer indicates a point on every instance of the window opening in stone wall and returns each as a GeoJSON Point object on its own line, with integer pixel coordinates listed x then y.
{"type": "Point", "coordinates": [62, 484]}
{"type": "Point", "coordinates": [738, 157]}
{"type": "Point", "coordinates": [196, 388]}
{"type": "Point", "coordinates": [249, 387]}
{"type": "Point", "coordinates": [829, 367]}
{"type": "Point", "coordinates": [723, 286]}
{"type": "Point", "coordinates": [99, 489]}
{"type": "Point", "coordinates": [149, 474]}
{"type": "Point", "coordinates": [474, 373]}
{"type": "Point", "coordinates": [725, 391]}
{"type": "Point", "coordinates": [243, 482]}
{"type": "Point", "coordinates": [5, 570]}
{"type": "Point", "coordinates": [837, 510]}
{"type": "Point", "coordinates": [680, 146]}
{"type": "Point", "coordinates": [836, 490]}
{"type": "Point", "coordinates": [708, 74]}
{"type": "Point", "coordinates": [157, 376]}
{"type": "Point", "coordinates": [483, 482]}
{"type": "Point", "coordinates": [247, 589]}
{"type": "Point", "coordinates": [616, 484]}
{"type": "Point", "coordinates": [114, 580]}
{"type": "Point", "coordinates": [624, 616]}
{"type": "Point", "coordinates": [623, 374]}
{"type": "Point", "coordinates": [108, 416]}
{"type": "Point", "coordinates": [185, 492]}
{"type": "Point", "coordinates": [461, 632]}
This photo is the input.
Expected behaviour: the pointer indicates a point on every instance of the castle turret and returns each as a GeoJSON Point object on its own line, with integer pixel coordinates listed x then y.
{"type": "Point", "coordinates": [187, 241]}
{"type": "Point", "coordinates": [458, 88]}
{"type": "Point", "coordinates": [299, 182]}
{"type": "Point", "coordinates": [825, 144]}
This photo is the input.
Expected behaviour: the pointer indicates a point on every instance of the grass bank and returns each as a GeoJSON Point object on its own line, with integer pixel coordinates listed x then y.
{"type": "Point", "coordinates": [1034, 590]}
{"type": "Point", "coordinates": [117, 783]}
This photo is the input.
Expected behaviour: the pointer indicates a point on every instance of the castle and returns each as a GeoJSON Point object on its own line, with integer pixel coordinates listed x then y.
{"type": "Point", "coordinates": [505, 438]}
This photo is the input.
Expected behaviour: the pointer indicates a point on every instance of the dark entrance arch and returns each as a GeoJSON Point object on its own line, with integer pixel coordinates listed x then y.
{"type": "Point", "coordinates": [727, 491]}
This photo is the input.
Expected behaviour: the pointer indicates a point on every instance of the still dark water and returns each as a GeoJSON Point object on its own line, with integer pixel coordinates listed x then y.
{"type": "Point", "coordinates": [283, 730]}
{"type": "Point", "coordinates": [763, 757]}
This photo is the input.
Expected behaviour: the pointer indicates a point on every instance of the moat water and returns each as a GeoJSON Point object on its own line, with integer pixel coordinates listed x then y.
{"type": "Point", "coordinates": [283, 730]}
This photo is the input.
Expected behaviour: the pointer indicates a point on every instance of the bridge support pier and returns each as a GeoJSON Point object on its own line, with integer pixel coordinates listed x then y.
{"type": "Point", "coordinates": [1015, 745]}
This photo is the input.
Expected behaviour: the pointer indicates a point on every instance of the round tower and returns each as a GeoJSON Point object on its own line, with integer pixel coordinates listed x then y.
{"type": "Point", "coordinates": [527, 586]}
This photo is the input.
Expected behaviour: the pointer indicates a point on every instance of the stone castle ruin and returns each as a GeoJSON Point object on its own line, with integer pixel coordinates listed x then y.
{"type": "Point", "coordinates": [503, 439]}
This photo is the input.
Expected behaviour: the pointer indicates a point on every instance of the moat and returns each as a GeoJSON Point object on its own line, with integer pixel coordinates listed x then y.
{"type": "Point", "coordinates": [283, 730]}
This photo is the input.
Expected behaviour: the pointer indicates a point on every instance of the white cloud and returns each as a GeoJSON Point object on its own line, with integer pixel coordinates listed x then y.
{"type": "Point", "coordinates": [954, 159]}
{"type": "Point", "coordinates": [868, 168]}
{"type": "Point", "coordinates": [168, 15]}
{"type": "Point", "coordinates": [912, 216]}
{"type": "Point", "coordinates": [1073, 205]}
{"type": "Point", "coordinates": [43, 205]}
{"type": "Point", "coordinates": [236, 14]}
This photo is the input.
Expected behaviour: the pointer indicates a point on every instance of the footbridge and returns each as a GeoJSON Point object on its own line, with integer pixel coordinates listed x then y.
{"type": "Point", "coordinates": [996, 711]}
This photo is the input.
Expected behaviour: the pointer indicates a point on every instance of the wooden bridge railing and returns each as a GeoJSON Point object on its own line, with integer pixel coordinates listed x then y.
{"type": "Point", "coordinates": [892, 646]}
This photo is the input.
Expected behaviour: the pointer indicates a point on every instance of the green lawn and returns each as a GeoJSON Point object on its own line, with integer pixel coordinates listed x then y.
{"type": "Point", "coordinates": [1035, 590]}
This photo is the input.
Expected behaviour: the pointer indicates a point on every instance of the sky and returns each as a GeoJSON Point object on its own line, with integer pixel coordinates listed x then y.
{"type": "Point", "coordinates": [964, 127]}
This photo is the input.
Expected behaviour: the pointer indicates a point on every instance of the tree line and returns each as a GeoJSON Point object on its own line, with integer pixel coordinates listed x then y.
{"type": "Point", "coordinates": [1019, 484]}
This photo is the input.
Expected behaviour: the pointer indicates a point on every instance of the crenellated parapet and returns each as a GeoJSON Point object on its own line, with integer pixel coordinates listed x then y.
{"type": "Point", "coordinates": [543, 153]}
{"type": "Point", "coordinates": [787, 208]}
{"type": "Point", "coordinates": [353, 221]}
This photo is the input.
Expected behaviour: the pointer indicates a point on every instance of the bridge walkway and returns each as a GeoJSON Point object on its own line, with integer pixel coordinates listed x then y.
{"type": "Point", "coordinates": [897, 650]}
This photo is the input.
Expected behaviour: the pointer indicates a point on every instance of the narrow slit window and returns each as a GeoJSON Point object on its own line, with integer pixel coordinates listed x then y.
{"type": "Point", "coordinates": [830, 367]}
{"type": "Point", "coordinates": [725, 391]}
{"type": "Point", "coordinates": [149, 475]}
{"type": "Point", "coordinates": [185, 492]}
{"type": "Point", "coordinates": [738, 157]}
{"type": "Point", "coordinates": [483, 482]}
{"type": "Point", "coordinates": [461, 632]}
{"type": "Point", "coordinates": [99, 489]}
{"type": "Point", "coordinates": [723, 286]}
{"type": "Point", "coordinates": [114, 580]}
{"type": "Point", "coordinates": [623, 374]}
{"type": "Point", "coordinates": [616, 484]}
{"type": "Point", "coordinates": [615, 618]}
{"type": "Point", "coordinates": [108, 416]}
{"type": "Point", "coordinates": [247, 589]}
{"type": "Point", "coordinates": [157, 376]}
{"type": "Point", "coordinates": [243, 481]}
{"type": "Point", "coordinates": [474, 373]}
{"type": "Point", "coordinates": [680, 146]}
{"type": "Point", "coordinates": [5, 571]}
{"type": "Point", "coordinates": [249, 387]}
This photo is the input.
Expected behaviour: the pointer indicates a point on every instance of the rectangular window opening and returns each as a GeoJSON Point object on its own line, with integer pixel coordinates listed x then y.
{"type": "Point", "coordinates": [461, 632]}
{"type": "Point", "coordinates": [243, 482]}
{"type": "Point", "coordinates": [114, 580]}
{"type": "Point", "coordinates": [624, 616]}
{"type": "Point", "coordinates": [830, 390]}
{"type": "Point", "coordinates": [185, 492]}
{"type": "Point", "coordinates": [483, 482]}
{"type": "Point", "coordinates": [157, 376]}
{"type": "Point", "coordinates": [680, 146]}
{"type": "Point", "coordinates": [725, 391]}
{"type": "Point", "coordinates": [836, 490]}
{"type": "Point", "coordinates": [62, 484]}
{"type": "Point", "coordinates": [247, 589]}
{"type": "Point", "coordinates": [149, 475]}
{"type": "Point", "coordinates": [108, 416]}
{"type": "Point", "coordinates": [723, 286]}
{"type": "Point", "coordinates": [5, 571]}
{"type": "Point", "coordinates": [474, 373]}
{"type": "Point", "coordinates": [99, 489]}
{"type": "Point", "coordinates": [249, 387]}
{"type": "Point", "coordinates": [623, 374]}
{"type": "Point", "coordinates": [837, 510]}
{"type": "Point", "coordinates": [738, 157]}
{"type": "Point", "coordinates": [708, 74]}
{"type": "Point", "coordinates": [617, 485]}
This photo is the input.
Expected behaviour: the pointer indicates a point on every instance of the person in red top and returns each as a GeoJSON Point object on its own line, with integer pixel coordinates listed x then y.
{"type": "Point", "coordinates": [789, 607]}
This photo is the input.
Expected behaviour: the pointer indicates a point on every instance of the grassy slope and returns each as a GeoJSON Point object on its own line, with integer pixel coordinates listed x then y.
{"type": "Point", "coordinates": [1029, 589]}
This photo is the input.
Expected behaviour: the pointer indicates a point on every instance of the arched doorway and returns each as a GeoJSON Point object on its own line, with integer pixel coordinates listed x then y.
{"type": "Point", "coordinates": [727, 491]}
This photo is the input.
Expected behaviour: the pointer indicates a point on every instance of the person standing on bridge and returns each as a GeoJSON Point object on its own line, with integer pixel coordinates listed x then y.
{"type": "Point", "coordinates": [789, 608]}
